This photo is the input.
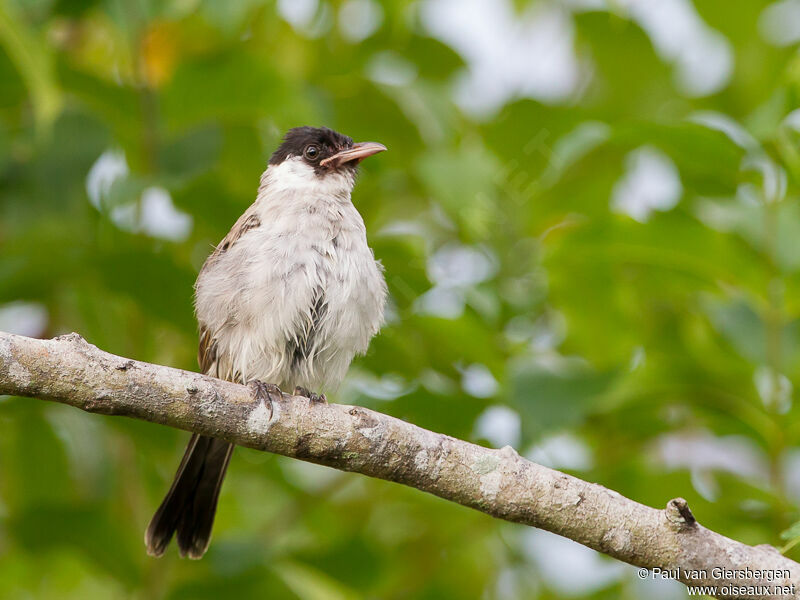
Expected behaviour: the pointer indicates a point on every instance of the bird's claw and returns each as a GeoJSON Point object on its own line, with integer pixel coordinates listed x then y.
{"type": "Point", "coordinates": [301, 391]}
{"type": "Point", "coordinates": [265, 391]}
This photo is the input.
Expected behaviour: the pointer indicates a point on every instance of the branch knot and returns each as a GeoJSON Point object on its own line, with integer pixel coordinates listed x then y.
{"type": "Point", "coordinates": [679, 514]}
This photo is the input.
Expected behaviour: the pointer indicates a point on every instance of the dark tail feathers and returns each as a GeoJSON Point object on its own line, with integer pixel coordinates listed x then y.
{"type": "Point", "coordinates": [191, 502]}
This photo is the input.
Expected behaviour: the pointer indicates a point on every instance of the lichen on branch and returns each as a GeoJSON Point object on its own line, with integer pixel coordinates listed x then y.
{"type": "Point", "coordinates": [499, 483]}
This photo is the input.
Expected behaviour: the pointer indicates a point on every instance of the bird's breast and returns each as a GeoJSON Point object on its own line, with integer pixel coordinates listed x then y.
{"type": "Point", "coordinates": [293, 300]}
{"type": "Point", "coordinates": [340, 295]}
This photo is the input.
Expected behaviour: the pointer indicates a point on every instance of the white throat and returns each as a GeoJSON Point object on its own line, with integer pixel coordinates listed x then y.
{"type": "Point", "coordinates": [295, 175]}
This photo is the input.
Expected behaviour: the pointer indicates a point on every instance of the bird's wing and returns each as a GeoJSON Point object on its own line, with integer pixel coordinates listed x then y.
{"type": "Point", "coordinates": [207, 350]}
{"type": "Point", "coordinates": [249, 220]}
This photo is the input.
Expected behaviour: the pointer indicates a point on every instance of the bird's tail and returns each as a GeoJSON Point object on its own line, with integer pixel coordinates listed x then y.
{"type": "Point", "coordinates": [191, 502]}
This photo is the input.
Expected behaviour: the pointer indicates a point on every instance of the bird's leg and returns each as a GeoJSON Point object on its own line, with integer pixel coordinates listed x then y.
{"type": "Point", "coordinates": [301, 391]}
{"type": "Point", "coordinates": [264, 391]}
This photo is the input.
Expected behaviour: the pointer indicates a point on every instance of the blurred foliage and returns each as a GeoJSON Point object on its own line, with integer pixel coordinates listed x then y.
{"type": "Point", "coordinates": [653, 347]}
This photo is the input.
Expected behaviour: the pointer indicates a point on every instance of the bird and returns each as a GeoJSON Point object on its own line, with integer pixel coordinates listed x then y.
{"type": "Point", "coordinates": [286, 300]}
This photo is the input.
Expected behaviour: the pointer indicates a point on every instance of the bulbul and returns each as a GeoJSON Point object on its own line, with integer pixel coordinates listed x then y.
{"type": "Point", "coordinates": [289, 297]}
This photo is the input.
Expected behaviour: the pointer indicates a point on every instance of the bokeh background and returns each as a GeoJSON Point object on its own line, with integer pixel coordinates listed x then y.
{"type": "Point", "coordinates": [590, 225]}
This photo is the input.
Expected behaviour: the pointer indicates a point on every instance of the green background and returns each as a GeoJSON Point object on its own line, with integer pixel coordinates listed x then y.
{"type": "Point", "coordinates": [601, 268]}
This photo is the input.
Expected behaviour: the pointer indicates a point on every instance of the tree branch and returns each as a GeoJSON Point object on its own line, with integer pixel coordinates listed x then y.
{"type": "Point", "coordinates": [497, 482]}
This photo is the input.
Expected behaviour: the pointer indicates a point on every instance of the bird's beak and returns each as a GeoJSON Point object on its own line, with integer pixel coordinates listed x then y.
{"type": "Point", "coordinates": [357, 153]}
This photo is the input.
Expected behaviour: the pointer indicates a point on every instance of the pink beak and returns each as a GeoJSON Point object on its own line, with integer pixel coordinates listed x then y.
{"type": "Point", "coordinates": [358, 152]}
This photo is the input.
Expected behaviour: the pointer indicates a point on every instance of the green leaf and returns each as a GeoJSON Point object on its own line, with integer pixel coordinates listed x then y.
{"type": "Point", "coordinates": [311, 584]}
{"type": "Point", "coordinates": [34, 63]}
{"type": "Point", "coordinates": [552, 397]}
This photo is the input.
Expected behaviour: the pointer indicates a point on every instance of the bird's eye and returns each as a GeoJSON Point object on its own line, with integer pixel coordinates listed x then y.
{"type": "Point", "coordinates": [311, 152]}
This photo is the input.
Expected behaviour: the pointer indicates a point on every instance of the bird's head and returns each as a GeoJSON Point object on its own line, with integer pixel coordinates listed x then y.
{"type": "Point", "coordinates": [318, 156]}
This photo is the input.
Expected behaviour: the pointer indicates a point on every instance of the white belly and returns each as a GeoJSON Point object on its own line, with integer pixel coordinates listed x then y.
{"type": "Point", "coordinates": [292, 301]}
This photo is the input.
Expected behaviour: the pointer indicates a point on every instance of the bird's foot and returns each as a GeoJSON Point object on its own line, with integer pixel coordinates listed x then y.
{"type": "Point", "coordinates": [265, 391]}
{"type": "Point", "coordinates": [301, 391]}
